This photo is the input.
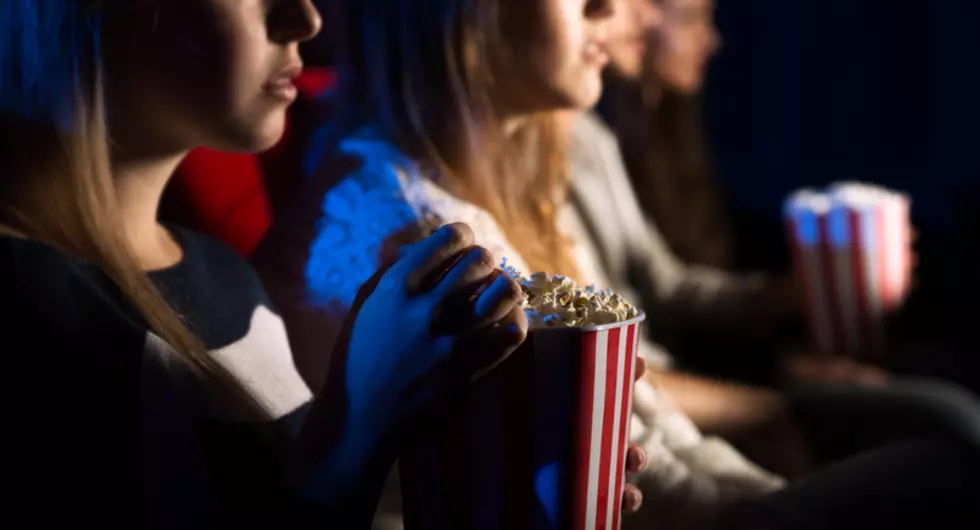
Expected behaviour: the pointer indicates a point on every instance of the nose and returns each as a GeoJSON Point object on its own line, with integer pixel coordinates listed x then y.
{"type": "Point", "coordinates": [599, 8]}
{"type": "Point", "coordinates": [294, 21]}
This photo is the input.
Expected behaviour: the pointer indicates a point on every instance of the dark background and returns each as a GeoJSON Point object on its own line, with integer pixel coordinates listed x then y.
{"type": "Point", "coordinates": [807, 92]}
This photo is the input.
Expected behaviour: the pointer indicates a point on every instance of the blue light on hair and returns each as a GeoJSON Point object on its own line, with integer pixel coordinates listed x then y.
{"type": "Point", "coordinates": [45, 48]}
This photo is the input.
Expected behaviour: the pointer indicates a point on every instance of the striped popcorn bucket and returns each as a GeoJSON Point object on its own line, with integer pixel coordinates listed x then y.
{"type": "Point", "coordinates": [852, 251]}
{"type": "Point", "coordinates": [538, 443]}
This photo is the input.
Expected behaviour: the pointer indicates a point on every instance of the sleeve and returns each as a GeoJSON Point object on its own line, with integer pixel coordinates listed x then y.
{"type": "Point", "coordinates": [688, 475]}
{"type": "Point", "coordinates": [677, 297]}
{"type": "Point", "coordinates": [319, 253]}
{"type": "Point", "coordinates": [692, 298]}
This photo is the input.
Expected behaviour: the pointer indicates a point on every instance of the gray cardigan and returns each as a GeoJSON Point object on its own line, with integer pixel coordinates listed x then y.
{"type": "Point", "coordinates": [676, 296]}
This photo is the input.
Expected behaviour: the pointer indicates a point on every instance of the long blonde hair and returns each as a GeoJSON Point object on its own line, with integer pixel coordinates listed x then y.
{"type": "Point", "coordinates": [424, 72]}
{"type": "Point", "coordinates": [56, 185]}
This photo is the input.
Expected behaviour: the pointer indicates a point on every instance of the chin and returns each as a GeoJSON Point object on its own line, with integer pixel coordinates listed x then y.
{"type": "Point", "coordinates": [580, 92]}
{"type": "Point", "coordinates": [587, 93]}
{"type": "Point", "coordinates": [628, 71]}
{"type": "Point", "coordinates": [253, 137]}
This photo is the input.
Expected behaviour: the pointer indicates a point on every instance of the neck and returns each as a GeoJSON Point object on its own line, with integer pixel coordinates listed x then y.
{"type": "Point", "coordinates": [140, 182]}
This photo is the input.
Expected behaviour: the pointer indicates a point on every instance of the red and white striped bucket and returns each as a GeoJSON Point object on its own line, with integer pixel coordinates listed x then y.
{"type": "Point", "coordinates": [537, 444]}
{"type": "Point", "coordinates": [853, 259]}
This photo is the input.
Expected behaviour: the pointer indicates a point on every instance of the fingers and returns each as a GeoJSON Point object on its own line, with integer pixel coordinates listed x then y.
{"type": "Point", "coordinates": [640, 369]}
{"type": "Point", "coordinates": [479, 304]}
{"type": "Point", "coordinates": [632, 499]}
{"type": "Point", "coordinates": [499, 299]}
{"type": "Point", "coordinates": [636, 459]}
{"type": "Point", "coordinates": [365, 291]}
{"type": "Point", "coordinates": [472, 270]}
{"type": "Point", "coordinates": [482, 351]}
{"type": "Point", "coordinates": [429, 258]}
{"type": "Point", "coordinates": [400, 243]}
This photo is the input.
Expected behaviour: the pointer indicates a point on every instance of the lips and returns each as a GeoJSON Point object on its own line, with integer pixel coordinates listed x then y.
{"type": "Point", "coordinates": [282, 86]}
{"type": "Point", "coordinates": [595, 52]}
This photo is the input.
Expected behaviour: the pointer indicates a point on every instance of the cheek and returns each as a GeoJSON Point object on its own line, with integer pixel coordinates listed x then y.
{"type": "Point", "coordinates": [185, 54]}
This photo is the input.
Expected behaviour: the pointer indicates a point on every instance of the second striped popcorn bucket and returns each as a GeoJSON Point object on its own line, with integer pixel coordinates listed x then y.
{"type": "Point", "coordinates": [537, 444]}
{"type": "Point", "coordinates": [851, 248]}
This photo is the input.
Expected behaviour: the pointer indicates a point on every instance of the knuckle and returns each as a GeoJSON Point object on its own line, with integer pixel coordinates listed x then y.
{"type": "Point", "coordinates": [460, 235]}
{"type": "Point", "coordinates": [483, 259]}
{"type": "Point", "coordinates": [518, 327]}
{"type": "Point", "coordinates": [514, 291]}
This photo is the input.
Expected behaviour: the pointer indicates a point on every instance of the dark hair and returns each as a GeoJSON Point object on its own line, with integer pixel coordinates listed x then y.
{"type": "Point", "coordinates": [661, 134]}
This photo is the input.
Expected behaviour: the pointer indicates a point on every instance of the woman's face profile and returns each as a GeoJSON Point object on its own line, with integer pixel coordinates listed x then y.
{"type": "Point", "coordinates": [686, 42]}
{"type": "Point", "coordinates": [211, 73]}
{"type": "Point", "coordinates": [558, 51]}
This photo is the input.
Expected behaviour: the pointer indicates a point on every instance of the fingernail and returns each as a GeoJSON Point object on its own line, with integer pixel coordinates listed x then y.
{"type": "Point", "coordinates": [442, 233]}
{"type": "Point", "coordinates": [642, 457]}
{"type": "Point", "coordinates": [632, 500]}
{"type": "Point", "coordinates": [486, 300]}
{"type": "Point", "coordinates": [635, 459]}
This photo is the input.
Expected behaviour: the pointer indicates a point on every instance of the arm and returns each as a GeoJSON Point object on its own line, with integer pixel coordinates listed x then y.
{"type": "Point", "coordinates": [676, 296]}
{"type": "Point", "coordinates": [699, 299]}
{"type": "Point", "coordinates": [718, 407]}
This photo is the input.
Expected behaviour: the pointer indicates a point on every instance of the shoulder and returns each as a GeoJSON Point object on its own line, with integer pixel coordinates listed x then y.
{"type": "Point", "coordinates": [208, 248]}
{"type": "Point", "coordinates": [53, 301]}
{"type": "Point", "coordinates": [219, 295]}
{"type": "Point", "coordinates": [379, 197]}
{"type": "Point", "coordinates": [593, 146]}
{"type": "Point", "coordinates": [589, 131]}
{"type": "Point", "coordinates": [211, 266]}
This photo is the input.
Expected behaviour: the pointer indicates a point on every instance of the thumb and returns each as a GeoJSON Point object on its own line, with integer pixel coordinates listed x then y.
{"type": "Point", "coordinates": [363, 293]}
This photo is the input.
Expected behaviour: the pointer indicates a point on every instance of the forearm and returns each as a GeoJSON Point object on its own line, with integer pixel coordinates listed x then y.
{"type": "Point", "coordinates": [338, 484]}
{"type": "Point", "coordinates": [718, 407]}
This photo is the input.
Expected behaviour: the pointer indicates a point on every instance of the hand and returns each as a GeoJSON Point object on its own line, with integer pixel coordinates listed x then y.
{"type": "Point", "coordinates": [806, 367]}
{"type": "Point", "coordinates": [636, 458]}
{"type": "Point", "coordinates": [444, 295]}
{"type": "Point", "coordinates": [396, 353]}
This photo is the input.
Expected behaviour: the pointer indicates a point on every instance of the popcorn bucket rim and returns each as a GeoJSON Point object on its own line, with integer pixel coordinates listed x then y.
{"type": "Point", "coordinates": [640, 317]}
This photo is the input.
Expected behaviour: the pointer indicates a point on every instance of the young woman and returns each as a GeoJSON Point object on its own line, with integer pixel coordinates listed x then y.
{"type": "Point", "coordinates": [150, 381]}
{"type": "Point", "coordinates": [450, 111]}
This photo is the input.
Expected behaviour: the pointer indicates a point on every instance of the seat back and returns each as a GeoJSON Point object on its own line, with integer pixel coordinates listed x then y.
{"type": "Point", "coordinates": [224, 194]}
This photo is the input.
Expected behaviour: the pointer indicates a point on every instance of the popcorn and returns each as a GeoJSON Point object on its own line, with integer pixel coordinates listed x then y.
{"type": "Point", "coordinates": [557, 301]}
